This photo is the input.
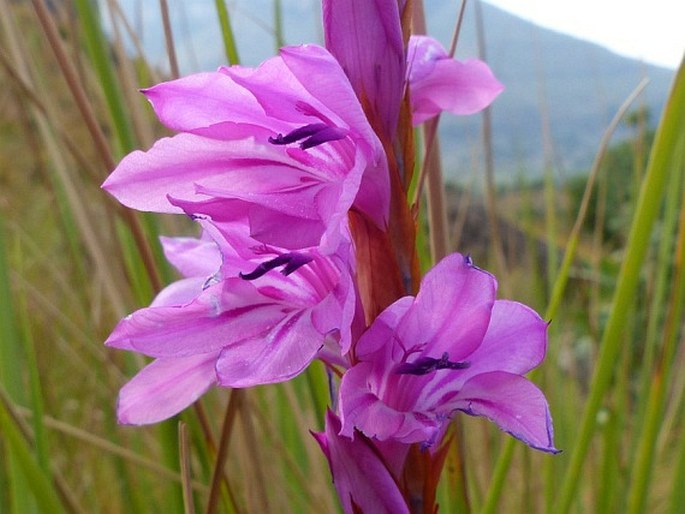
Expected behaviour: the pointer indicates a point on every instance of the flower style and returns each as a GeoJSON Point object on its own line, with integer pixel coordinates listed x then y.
{"type": "Point", "coordinates": [452, 348]}
{"type": "Point", "coordinates": [240, 326]}
{"type": "Point", "coordinates": [286, 144]}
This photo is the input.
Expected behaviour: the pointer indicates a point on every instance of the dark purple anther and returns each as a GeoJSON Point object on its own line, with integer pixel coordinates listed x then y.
{"type": "Point", "coordinates": [313, 135]}
{"type": "Point", "coordinates": [289, 261]}
{"type": "Point", "coordinates": [425, 365]}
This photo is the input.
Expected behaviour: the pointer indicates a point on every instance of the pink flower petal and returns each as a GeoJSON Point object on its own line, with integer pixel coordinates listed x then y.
{"type": "Point", "coordinates": [223, 314]}
{"type": "Point", "coordinates": [452, 310]}
{"type": "Point", "coordinates": [321, 76]}
{"type": "Point", "coordinates": [164, 388]}
{"type": "Point", "coordinates": [265, 225]}
{"type": "Point", "coordinates": [513, 403]}
{"type": "Point", "coordinates": [374, 344]}
{"type": "Point", "coordinates": [192, 257]}
{"type": "Point", "coordinates": [515, 342]}
{"type": "Point", "coordinates": [282, 353]}
{"type": "Point", "coordinates": [176, 166]}
{"type": "Point", "coordinates": [360, 408]}
{"type": "Point", "coordinates": [361, 479]}
{"type": "Point", "coordinates": [239, 148]}
{"type": "Point", "coordinates": [439, 83]}
{"type": "Point", "coordinates": [202, 100]}
{"type": "Point", "coordinates": [179, 293]}
{"type": "Point", "coordinates": [453, 347]}
{"type": "Point", "coordinates": [307, 83]}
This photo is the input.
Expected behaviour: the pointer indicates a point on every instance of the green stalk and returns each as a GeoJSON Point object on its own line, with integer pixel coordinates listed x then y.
{"type": "Point", "coordinates": [652, 420]}
{"type": "Point", "coordinates": [168, 437]}
{"type": "Point", "coordinates": [677, 498]}
{"type": "Point", "coordinates": [38, 482]}
{"type": "Point", "coordinates": [499, 476]}
{"type": "Point", "coordinates": [551, 227]}
{"type": "Point", "coordinates": [278, 24]}
{"type": "Point", "coordinates": [37, 403]}
{"type": "Point", "coordinates": [99, 53]}
{"type": "Point", "coordinates": [609, 472]}
{"type": "Point", "coordinates": [227, 32]}
{"type": "Point", "coordinates": [663, 280]}
{"type": "Point", "coordinates": [572, 244]}
{"type": "Point", "coordinates": [11, 365]}
{"type": "Point", "coordinates": [317, 388]}
{"type": "Point", "coordinates": [648, 207]}
{"type": "Point", "coordinates": [504, 461]}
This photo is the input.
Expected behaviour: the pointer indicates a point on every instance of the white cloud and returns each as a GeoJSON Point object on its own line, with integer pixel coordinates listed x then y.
{"type": "Point", "coordinates": [652, 31]}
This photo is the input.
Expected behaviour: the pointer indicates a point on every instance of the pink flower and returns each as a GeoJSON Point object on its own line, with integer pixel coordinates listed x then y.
{"type": "Point", "coordinates": [239, 325]}
{"type": "Point", "coordinates": [168, 385]}
{"type": "Point", "coordinates": [452, 348]}
{"type": "Point", "coordinates": [365, 36]}
{"type": "Point", "coordinates": [285, 144]}
{"type": "Point", "coordinates": [439, 83]}
{"type": "Point", "coordinates": [362, 471]}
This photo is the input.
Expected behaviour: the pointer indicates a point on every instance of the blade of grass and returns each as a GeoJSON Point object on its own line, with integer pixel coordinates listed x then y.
{"type": "Point", "coordinates": [677, 496]}
{"type": "Point", "coordinates": [279, 40]}
{"type": "Point", "coordinates": [646, 212]}
{"type": "Point", "coordinates": [490, 190]}
{"type": "Point", "coordinates": [572, 244]}
{"type": "Point", "coordinates": [116, 106]}
{"type": "Point", "coordinates": [253, 450]}
{"type": "Point", "coordinates": [227, 32]}
{"type": "Point", "coordinates": [169, 39]}
{"type": "Point", "coordinates": [664, 275]}
{"type": "Point", "coordinates": [40, 484]}
{"type": "Point", "coordinates": [505, 459]}
{"type": "Point", "coordinates": [135, 37]}
{"type": "Point", "coordinates": [27, 93]}
{"type": "Point", "coordinates": [11, 364]}
{"type": "Point", "coordinates": [299, 459]}
{"type": "Point", "coordinates": [550, 197]}
{"type": "Point", "coordinates": [653, 417]}
{"type": "Point", "coordinates": [37, 403]}
{"type": "Point", "coordinates": [108, 447]}
{"type": "Point", "coordinates": [184, 452]}
{"type": "Point", "coordinates": [549, 182]}
{"type": "Point", "coordinates": [597, 254]}
{"type": "Point", "coordinates": [99, 54]}
{"type": "Point", "coordinates": [234, 405]}
{"type": "Point", "coordinates": [66, 495]}
{"type": "Point", "coordinates": [129, 81]}
{"type": "Point", "coordinates": [21, 62]}
{"type": "Point", "coordinates": [168, 439]}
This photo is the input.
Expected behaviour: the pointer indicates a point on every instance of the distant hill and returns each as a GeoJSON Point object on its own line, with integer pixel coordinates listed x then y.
{"type": "Point", "coordinates": [580, 84]}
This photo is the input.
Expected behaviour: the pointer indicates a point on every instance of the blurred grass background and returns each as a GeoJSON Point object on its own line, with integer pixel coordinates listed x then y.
{"type": "Point", "coordinates": [601, 255]}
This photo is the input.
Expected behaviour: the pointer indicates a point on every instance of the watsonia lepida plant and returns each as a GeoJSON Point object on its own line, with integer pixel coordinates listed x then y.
{"type": "Point", "coordinates": [297, 172]}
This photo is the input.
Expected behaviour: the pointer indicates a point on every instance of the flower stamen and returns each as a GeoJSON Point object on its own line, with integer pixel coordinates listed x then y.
{"type": "Point", "coordinates": [310, 135]}
{"type": "Point", "coordinates": [290, 262]}
{"type": "Point", "coordinates": [425, 365]}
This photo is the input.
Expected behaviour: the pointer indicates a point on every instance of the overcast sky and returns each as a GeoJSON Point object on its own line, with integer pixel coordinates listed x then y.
{"type": "Point", "coordinates": [653, 30]}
